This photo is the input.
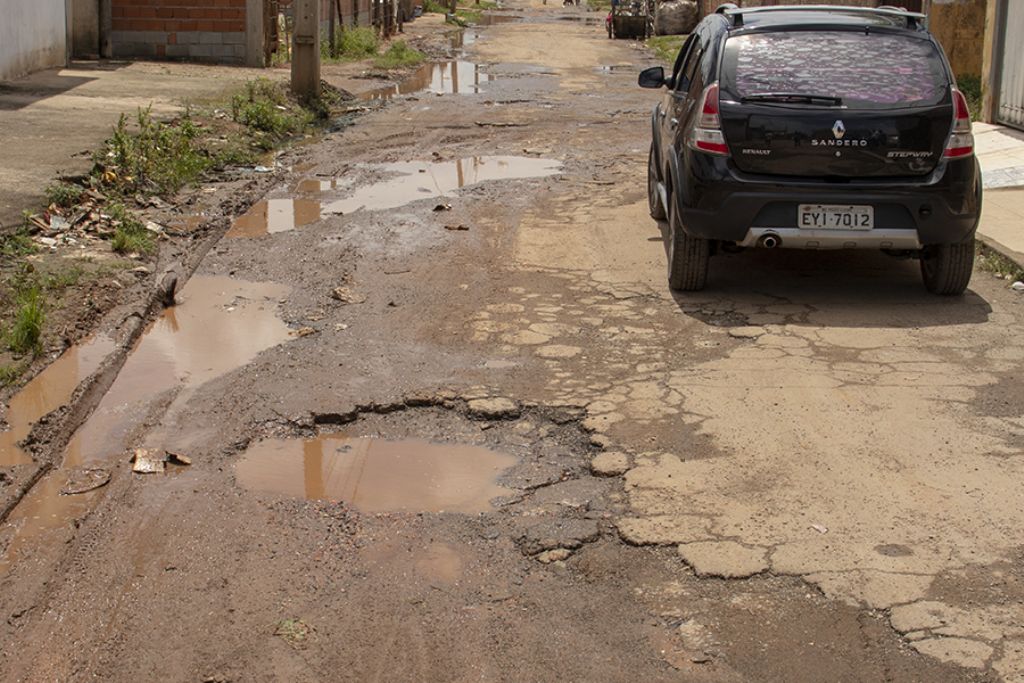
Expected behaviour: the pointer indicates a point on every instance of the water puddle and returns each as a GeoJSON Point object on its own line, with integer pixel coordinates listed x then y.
{"type": "Point", "coordinates": [444, 78]}
{"type": "Point", "coordinates": [41, 512]}
{"type": "Point", "coordinates": [47, 391]}
{"type": "Point", "coordinates": [222, 324]}
{"type": "Point", "coordinates": [275, 215]}
{"type": "Point", "coordinates": [414, 180]}
{"type": "Point", "coordinates": [405, 182]}
{"type": "Point", "coordinates": [492, 19]}
{"type": "Point", "coordinates": [375, 475]}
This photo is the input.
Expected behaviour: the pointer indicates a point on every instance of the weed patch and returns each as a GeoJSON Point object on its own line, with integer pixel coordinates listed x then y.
{"type": "Point", "coordinates": [350, 45]}
{"type": "Point", "coordinates": [64, 195]}
{"type": "Point", "coordinates": [970, 86]}
{"type": "Point", "coordinates": [994, 262]}
{"type": "Point", "coordinates": [157, 158]}
{"type": "Point", "coordinates": [26, 332]}
{"type": "Point", "coordinates": [666, 47]}
{"type": "Point", "coordinates": [399, 55]}
{"type": "Point", "coordinates": [265, 107]}
{"type": "Point", "coordinates": [130, 235]}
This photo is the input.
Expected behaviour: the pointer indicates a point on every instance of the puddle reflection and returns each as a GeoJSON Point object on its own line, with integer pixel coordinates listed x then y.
{"type": "Point", "coordinates": [446, 78]}
{"type": "Point", "coordinates": [375, 475]}
{"type": "Point", "coordinates": [46, 392]}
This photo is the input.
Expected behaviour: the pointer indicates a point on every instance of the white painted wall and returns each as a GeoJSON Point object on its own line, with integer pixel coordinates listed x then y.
{"type": "Point", "coordinates": [33, 36]}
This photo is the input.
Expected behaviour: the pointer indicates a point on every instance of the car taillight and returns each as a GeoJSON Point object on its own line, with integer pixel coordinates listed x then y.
{"type": "Point", "coordinates": [707, 135]}
{"type": "Point", "coordinates": [961, 140]}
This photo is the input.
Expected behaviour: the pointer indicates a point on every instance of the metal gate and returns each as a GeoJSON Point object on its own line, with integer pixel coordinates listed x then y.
{"type": "Point", "coordinates": [1010, 90]}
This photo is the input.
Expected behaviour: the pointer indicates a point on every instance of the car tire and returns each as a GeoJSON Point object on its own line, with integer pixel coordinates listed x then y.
{"type": "Point", "coordinates": [946, 268]}
{"type": "Point", "coordinates": [687, 256]}
{"type": "Point", "coordinates": [654, 205]}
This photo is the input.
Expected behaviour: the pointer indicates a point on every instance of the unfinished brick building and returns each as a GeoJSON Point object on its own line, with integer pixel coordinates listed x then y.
{"type": "Point", "coordinates": [198, 30]}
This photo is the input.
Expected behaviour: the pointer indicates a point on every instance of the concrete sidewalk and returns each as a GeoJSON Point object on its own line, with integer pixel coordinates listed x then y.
{"type": "Point", "coordinates": [1001, 154]}
{"type": "Point", "coordinates": [52, 120]}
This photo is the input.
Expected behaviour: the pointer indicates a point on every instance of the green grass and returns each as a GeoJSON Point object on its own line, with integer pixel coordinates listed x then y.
{"type": "Point", "coordinates": [26, 332]}
{"type": "Point", "coordinates": [151, 157]}
{"type": "Point", "coordinates": [352, 44]}
{"type": "Point", "coordinates": [666, 48]}
{"type": "Point", "coordinates": [434, 7]}
{"type": "Point", "coordinates": [970, 86]}
{"type": "Point", "coordinates": [64, 195]}
{"type": "Point", "coordinates": [130, 235]}
{"type": "Point", "coordinates": [16, 243]}
{"type": "Point", "coordinates": [399, 55]}
{"type": "Point", "coordinates": [9, 374]}
{"type": "Point", "coordinates": [265, 107]}
{"type": "Point", "coordinates": [994, 262]}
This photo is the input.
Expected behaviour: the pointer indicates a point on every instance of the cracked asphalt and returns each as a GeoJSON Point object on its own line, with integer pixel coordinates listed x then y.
{"type": "Point", "coordinates": [810, 471]}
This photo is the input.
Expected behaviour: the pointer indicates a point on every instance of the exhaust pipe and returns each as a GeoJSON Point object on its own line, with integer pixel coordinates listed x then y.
{"type": "Point", "coordinates": [770, 241]}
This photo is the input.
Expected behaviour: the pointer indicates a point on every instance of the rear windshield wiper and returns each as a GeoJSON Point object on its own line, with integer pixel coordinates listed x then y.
{"type": "Point", "coordinates": [793, 97]}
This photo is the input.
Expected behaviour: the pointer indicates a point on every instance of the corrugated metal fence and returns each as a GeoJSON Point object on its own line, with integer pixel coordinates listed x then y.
{"type": "Point", "coordinates": [1011, 64]}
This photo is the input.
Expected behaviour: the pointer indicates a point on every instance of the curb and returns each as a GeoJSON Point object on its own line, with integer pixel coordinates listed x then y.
{"type": "Point", "coordinates": [1009, 254]}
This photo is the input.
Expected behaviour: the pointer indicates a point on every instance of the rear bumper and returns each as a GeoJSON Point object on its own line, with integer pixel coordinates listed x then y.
{"type": "Point", "coordinates": [717, 202]}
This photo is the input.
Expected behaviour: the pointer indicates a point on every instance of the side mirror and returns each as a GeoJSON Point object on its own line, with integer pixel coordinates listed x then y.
{"type": "Point", "coordinates": [653, 77]}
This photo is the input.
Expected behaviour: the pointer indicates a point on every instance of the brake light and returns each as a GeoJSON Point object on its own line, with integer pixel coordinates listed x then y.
{"type": "Point", "coordinates": [707, 135]}
{"type": "Point", "coordinates": [961, 139]}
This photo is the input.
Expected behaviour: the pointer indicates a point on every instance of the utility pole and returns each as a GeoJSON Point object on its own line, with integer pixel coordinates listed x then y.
{"type": "Point", "coordinates": [306, 52]}
{"type": "Point", "coordinates": [330, 31]}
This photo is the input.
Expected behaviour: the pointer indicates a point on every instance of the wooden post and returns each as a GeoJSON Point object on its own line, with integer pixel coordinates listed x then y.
{"type": "Point", "coordinates": [306, 52]}
{"type": "Point", "coordinates": [330, 31]}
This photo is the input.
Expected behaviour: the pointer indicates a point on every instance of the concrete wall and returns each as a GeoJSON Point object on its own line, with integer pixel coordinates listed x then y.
{"type": "Point", "coordinates": [85, 28]}
{"type": "Point", "coordinates": [193, 30]}
{"type": "Point", "coordinates": [33, 36]}
{"type": "Point", "coordinates": [960, 26]}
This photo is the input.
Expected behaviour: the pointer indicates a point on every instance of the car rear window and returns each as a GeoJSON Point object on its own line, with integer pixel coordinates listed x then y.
{"type": "Point", "coordinates": [867, 70]}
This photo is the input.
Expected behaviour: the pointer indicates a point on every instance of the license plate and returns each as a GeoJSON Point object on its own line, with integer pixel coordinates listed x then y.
{"type": "Point", "coordinates": [836, 217]}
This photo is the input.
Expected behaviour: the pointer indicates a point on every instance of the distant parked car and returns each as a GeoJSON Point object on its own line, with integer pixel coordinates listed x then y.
{"type": "Point", "coordinates": [814, 128]}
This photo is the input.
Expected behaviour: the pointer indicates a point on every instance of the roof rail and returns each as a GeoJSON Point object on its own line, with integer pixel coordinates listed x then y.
{"type": "Point", "coordinates": [913, 19]}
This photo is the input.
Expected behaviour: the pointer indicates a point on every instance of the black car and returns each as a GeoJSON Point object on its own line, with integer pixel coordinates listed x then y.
{"type": "Point", "coordinates": [814, 127]}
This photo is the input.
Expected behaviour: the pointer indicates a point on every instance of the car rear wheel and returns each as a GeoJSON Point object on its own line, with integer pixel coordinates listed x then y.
{"type": "Point", "coordinates": [687, 256]}
{"type": "Point", "coordinates": [654, 204]}
{"type": "Point", "coordinates": [946, 268]}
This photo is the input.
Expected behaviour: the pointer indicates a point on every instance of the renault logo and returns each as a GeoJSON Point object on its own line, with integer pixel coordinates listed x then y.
{"type": "Point", "coordinates": [839, 130]}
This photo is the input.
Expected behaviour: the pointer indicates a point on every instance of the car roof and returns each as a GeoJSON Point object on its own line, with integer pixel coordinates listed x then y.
{"type": "Point", "coordinates": [807, 16]}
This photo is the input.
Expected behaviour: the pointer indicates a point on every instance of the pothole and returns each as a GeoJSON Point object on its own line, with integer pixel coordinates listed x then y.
{"type": "Point", "coordinates": [455, 77]}
{"type": "Point", "coordinates": [404, 182]}
{"type": "Point", "coordinates": [220, 325]}
{"type": "Point", "coordinates": [378, 475]}
{"type": "Point", "coordinates": [413, 180]}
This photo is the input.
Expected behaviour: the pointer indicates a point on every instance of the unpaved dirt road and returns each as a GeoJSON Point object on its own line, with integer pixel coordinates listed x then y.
{"type": "Point", "coordinates": [447, 423]}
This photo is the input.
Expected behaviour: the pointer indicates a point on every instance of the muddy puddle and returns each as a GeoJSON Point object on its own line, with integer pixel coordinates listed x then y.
{"type": "Point", "coordinates": [410, 181]}
{"type": "Point", "coordinates": [456, 77]}
{"type": "Point", "coordinates": [275, 215]}
{"type": "Point", "coordinates": [47, 391]}
{"type": "Point", "coordinates": [44, 510]}
{"type": "Point", "coordinates": [375, 475]}
{"type": "Point", "coordinates": [404, 182]}
{"type": "Point", "coordinates": [493, 19]}
{"type": "Point", "coordinates": [221, 324]}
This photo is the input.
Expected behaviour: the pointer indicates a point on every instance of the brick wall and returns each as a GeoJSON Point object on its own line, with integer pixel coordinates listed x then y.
{"type": "Point", "coordinates": [196, 30]}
